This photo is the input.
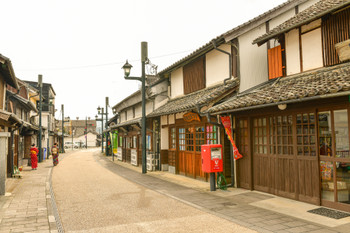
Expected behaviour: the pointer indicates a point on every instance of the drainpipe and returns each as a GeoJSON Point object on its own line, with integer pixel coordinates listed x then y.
{"type": "Point", "coordinates": [229, 58]}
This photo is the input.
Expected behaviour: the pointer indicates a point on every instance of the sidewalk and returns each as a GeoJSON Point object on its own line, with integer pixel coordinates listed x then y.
{"type": "Point", "coordinates": [27, 205]}
{"type": "Point", "coordinates": [256, 210]}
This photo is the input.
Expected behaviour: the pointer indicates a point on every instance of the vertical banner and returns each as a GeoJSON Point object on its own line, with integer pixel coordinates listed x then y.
{"type": "Point", "coordinates": [226, 122]}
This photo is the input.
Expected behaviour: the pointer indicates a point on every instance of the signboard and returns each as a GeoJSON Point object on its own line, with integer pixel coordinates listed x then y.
{"type": "Point", "coordinates": [191, 116]}
{"type": "Point", "coordinates": [226, 122]}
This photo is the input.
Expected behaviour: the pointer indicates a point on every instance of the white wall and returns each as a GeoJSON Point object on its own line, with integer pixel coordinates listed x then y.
{"type": "Point", "coordinates": [171, 119]}
{"type": "Point", "coordinates": [149, 107]}
{"type": "Point", "coordinates": [177, 85]}
{"type": "Point", "coordinates": [217, 65]}
{"type": "Point", "coordinates": [91, 139]}
{"type": "Point", "coordinates": [138, 111]}
{"type": "Point", "coordinates": [130, 113]}
{"type": "Point", "coordinates": [164, 135]}
{"type": "Point", "coordinates": [277, 21]}
{"type": "Point", "coordinates": [311, 43]}
{"type": "Point", "coordinates": [253, 59]}
{"type": "Point", "coordinates": [163, 120]}
{"type": "Point", "coordinates": [292, 52]}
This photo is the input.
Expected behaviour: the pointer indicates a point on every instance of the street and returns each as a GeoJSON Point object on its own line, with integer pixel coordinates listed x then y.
{"type": "Point", "coordinates": [90, 197]}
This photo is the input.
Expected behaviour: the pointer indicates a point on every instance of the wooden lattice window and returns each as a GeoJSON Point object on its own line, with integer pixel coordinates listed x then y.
{"type": "Point", "coordinates": [194, 75]}
{"type": "Point", "coordinates": [189, 134]}
{"type": "Point", "coordinates": [335, 29]}
{"type": "Point", "coordinates": [211, 134]}
{"type": "Point", "coordinates": [199, 137]}
{"type": "Point", "coordinates": [173, 138]}
{"type": "Point", "coordinates": [182, 141]}
{"type": "Point", "coordinates": [281, 135]}
{"type": "Point", "coordinates": [306, 134]}
{"type": "Point", "coordinates": [260, 135]}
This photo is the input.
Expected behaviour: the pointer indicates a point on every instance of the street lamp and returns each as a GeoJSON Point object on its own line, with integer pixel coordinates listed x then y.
{"type": "Point", "coordinates": [101, 112]}
{"type": "Point", "coordinates": [127, 68]}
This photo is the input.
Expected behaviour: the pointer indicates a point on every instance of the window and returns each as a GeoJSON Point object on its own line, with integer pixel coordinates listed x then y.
{"type": "Point", "coordinates": [173, 138]}
{"type": "Point", "coordinates": [306, 131]}
{"type": "Point", "coordinates": [194, 75]}
{"type": "Point", "coordinates": [148, 142]}
{"type": "Point", "coordinates": [189, 138]}
{"type": "Point", "coordinates": [335, 29]}
{"type": "Point", "coordinates": [200, 137]}
{"type": "Point", "coordinates": [211, 134]}
{"type": "Point", "coordinates": [182, 139]}
{"type": "Point", "coordinates": [275, 62]}
{"type": "Point", "coordinates": [281, 135]}
{"type": "Point", "coordinates": [134, 138]}
{"type": "Point", "coordinates": [260, 136]}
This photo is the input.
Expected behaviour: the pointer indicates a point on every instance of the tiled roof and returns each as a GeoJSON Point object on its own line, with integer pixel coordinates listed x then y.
{"type": "Point", "coordinates": [318, 83]}
{"type": "Point", "coordinates": [129, 122]}
{"type": "Point", "coordinates": [312, 13]}
{"type": "Point", "coordinates": [221, 38]}
{"type": "Point", "coordinates": [190, 101]}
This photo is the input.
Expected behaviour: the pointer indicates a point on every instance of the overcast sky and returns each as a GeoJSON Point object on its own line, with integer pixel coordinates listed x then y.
{"type": "Point", "coordinates": [79, 46]}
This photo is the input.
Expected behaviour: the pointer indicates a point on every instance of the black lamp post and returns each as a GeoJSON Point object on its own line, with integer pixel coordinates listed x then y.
{"type": "Point", "coordinates": [101, 112]}
{"type": "Point", "coordinates": [127, 68]}
{"type": "Point", "coordinates": [40, 85]}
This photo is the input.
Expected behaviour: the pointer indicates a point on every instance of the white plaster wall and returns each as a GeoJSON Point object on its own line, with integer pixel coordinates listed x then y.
{"type": "Point", "coordinates": [277, 21]}
{"type": "Point", "coordinates": [138, 111]}
{"type": "Point", "coordinates": [311, 43]}
{"type": "Point", "coordinates": [149, 107]}
{"type": "Point", "coordinates": [171, 119]}
{"type": "Point", "coordinates": [292, 52]}
{"type": "Point", "coordinates": [163, 120]}
{"type": "Point", "coordinates": [91, 139]}
{"type": "Point", "coordinates": [130, 113]}
{"type": "Point", "coordinates": [180, 115]}
{"type": "Point", "coordinates": [177, 85]}
{"type": "Point", "coordinates": [307, 4]}
{"type": "Point", "coordinates": [217, 65]}
{"type": "Point", "coordinates": [253, 59]}
{"type": "Point", "coordinates": [164, 143]}
{"type": "Point", "coordinates": [122, 116]}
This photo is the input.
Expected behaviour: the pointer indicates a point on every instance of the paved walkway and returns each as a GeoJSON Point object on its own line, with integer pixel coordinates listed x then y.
{"type": "Point", "coordinates": [29, 203]}
{"type": "Point", "coordinates": [257, 211]}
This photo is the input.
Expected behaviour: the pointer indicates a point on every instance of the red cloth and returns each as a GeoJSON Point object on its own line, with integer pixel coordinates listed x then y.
{"type": "Point", "coordinates": [34, 158]}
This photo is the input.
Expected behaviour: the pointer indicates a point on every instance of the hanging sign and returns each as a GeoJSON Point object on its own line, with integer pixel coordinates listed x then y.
{"type": "Point", "coordinates": [226, 122]}
{"type": "Point", "coordinates": [191, 116]}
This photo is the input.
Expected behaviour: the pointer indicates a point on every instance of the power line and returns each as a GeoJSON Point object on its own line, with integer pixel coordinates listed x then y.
{"type": "Point", "coordinates": [99, 65]}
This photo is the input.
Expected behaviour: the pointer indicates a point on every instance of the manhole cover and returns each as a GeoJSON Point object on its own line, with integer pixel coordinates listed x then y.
{"type": "Point", "coordinates": [329, 213]}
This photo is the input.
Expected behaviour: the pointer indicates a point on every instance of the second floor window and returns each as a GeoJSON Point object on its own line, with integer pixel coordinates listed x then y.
{"type": "Point", "coordinates": [194, 75]}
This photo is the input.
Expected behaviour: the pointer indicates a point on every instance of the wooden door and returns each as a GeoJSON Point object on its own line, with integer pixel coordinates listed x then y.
{"type": "Point", "coordinates": [244, 171]}
{"type": "Point", "coordinates": [15, 151]}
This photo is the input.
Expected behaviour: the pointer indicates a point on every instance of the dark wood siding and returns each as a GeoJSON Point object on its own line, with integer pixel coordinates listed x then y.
{"type": "Point", "coordinates": [194, 75]}
{"type": "Point", "coordinates": [335, 29]}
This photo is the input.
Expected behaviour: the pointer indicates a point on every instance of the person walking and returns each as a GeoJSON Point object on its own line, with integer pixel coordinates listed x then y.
{"type": "Point", "coordinates": [34, 156]}
{"type": "Point", "coordinates": [54, 152]}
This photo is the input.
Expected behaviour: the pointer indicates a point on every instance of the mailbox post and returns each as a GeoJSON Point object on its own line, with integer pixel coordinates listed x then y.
{"type": "Point", "coordinates": [212, 161]}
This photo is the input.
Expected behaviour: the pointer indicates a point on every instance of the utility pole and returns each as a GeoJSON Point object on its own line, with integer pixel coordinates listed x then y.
{"type": "Point", "coordinates": [40, 84]}
{"type": "Point", "coordinates": [107, 103]}
{"type": "Point", "coordinates": [62, 109]}
{"type": "Point", "coordinates": [85, 132]}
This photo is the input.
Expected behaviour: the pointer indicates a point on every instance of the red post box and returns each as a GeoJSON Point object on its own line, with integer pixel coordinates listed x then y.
{"type": "Point", "coordinates": [212, 158]}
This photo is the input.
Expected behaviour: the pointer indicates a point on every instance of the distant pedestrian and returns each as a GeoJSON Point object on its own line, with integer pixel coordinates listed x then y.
{"type": "Point", "coordinates": [54, 151]}
{"type": "Point", "coordinates": [34, 156]}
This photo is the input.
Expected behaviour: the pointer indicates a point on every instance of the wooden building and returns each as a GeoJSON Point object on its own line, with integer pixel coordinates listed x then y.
{"type": "Point", "coordinates": [293, 129]}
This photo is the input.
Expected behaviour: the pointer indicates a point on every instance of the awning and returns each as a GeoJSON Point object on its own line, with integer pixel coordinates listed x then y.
{"type": "Point", "coordinates": [322, 83]}
{"type": "Point", "coordinates": [191, 101]}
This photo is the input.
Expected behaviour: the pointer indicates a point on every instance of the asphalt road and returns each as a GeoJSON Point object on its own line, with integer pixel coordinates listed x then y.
{"type": "Point", "coordinates": [91, 198]}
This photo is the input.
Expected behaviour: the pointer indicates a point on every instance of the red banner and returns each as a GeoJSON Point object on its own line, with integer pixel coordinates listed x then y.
{"type": "Point", "coordinates": [226, 122]}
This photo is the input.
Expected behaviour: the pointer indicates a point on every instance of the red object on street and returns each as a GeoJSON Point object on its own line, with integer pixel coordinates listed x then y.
{"type": "Point", "coordinates": [212, 158]}
{"type": "Point", "coordinates": [33, 156]}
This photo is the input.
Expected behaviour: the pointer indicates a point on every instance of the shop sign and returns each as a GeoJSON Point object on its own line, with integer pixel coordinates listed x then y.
{"type": "Point", "coordinates": [191, 116]}
{"type": "Point", "coordinates": [226, 122]}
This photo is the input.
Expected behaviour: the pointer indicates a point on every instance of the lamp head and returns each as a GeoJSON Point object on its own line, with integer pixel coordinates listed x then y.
{"type": "Point", "coordinates": [127, 68]}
